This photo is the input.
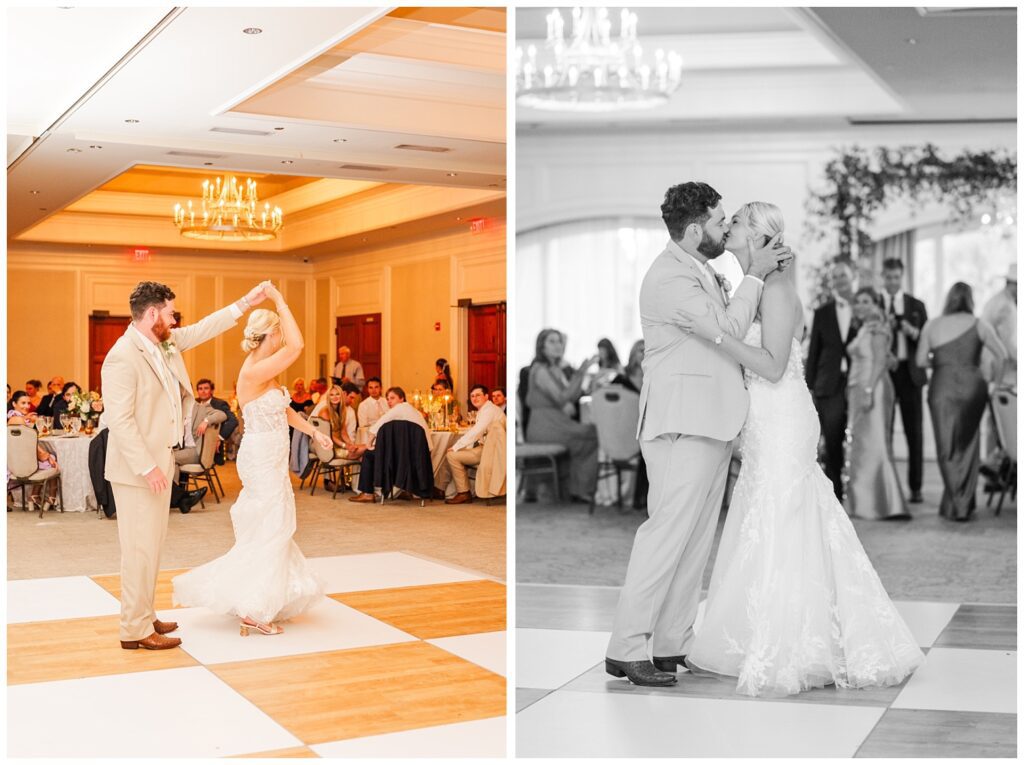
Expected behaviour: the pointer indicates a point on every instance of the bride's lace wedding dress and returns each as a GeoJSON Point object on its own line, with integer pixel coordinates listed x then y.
{"type": "Point", "coordinates": [794, 602]}
{"type": "Point", "coordinates": [264, 576]}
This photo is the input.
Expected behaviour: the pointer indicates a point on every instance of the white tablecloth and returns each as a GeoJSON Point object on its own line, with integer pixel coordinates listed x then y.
{"type": "Point", "coordinates": [440, 442]}
{"type": "Point", "coordinates": [73, 460]}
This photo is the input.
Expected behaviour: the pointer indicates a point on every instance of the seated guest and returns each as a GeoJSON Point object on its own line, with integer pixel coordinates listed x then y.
{"type": "Point", "coordinates": [552, 396]}
{"type": "Point", "coordinates": [9, 402]}
{"type": "Point", "coordinates": [34, 389]}
{"type": "Point", "coordinates": [204, 414]}
{"type": "Point", "coordinates": [399, 409]}
{"type": "Point", "coordinates": [608, 365]}
{"type": "Point", "coordinates": [205, 395]}
{"type": "Point", "coordinates": [20, 410]}
{"type": "Point", "coordinates": [373, 406]}
{"type": "Point", "coordinates": [20, 414]}
{"type": "Point", "coordinates": [45, 408]}
{"type": "Point", "coordinates": [353, 394]}
{"type": "Point", "coordinates": [498, 398]}
{"type": "Point", "coordinates": [299, 395]}
{"type": "Point", "coordinates": [348, 370]}
{"type": "Point", "coordinates": [63, 404]}
{"type": "Point", "coordinates": [467, 450]}
{"type": "Point", "coordinates": [317, 389]}
{"type": "Point", "coordinates": [335, 408]}
{"type": "Point", "coordinates": [440, 389]}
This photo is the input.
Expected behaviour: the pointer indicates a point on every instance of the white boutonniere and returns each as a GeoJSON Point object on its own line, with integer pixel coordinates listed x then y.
{"type": "Point", "coordinates": [169, 348]}
{"type": "Point", "coordinates": [724, 284]}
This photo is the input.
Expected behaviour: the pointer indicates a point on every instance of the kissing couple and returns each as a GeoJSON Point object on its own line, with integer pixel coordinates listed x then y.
{"type": "Point", "coordinates": [794, 603]}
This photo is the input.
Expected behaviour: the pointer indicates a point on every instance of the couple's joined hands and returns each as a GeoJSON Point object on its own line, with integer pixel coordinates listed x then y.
{"type": "Point", "coordinates": [261, 292]}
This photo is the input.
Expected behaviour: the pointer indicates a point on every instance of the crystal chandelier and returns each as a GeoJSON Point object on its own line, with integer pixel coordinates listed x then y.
{"type": "Point", "coordinates": [593, 72]}
{"type": "Point", "coordinates": [228, 214]}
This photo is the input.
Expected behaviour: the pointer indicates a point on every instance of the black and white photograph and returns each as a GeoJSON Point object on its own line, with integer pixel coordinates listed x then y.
{"type": "Point", "coordinates": [765, 347]}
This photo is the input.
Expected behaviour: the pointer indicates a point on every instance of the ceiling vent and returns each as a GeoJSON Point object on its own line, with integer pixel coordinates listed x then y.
{"type": "Point", "coordinates": [364, 168]}
{"type": "Point", "coordinates": [417, 147]}
{"type": "Point", "coordinates": [197, 154]}
{"type": "Point", "coordinates": [240, 131]}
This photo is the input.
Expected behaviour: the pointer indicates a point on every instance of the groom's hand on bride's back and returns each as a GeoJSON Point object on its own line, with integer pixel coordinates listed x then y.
{"type": "Point", "coordinates": [764, 260]}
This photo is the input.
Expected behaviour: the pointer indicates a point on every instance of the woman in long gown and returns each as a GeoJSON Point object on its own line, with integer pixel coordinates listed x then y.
{"type": "Point", "coordinates": [264, 577]}
{"type": "Point", "coordinates": [957, 395]}
{"type": "Point", "coordinates": [872, 488]}
{"type": "Point", "coordinates": [794, 602]}
{"type": "Point", "coordinates": [552, 396]}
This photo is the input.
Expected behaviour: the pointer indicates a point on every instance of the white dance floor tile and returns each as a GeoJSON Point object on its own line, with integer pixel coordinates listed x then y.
{"type": "Point", "coordinates": [378, 571]}
{"type": "Point", "coordinates": [569, 724]}
{"type": "Point", "coordinates": [65, 597]}
{"type": "Point", "coordinates": [551, 658]}
{"type": "Point", "coordinates": [185, 712]}
{"type": "Point", "coordinates": [486, 649]}
{"type": "Point", "coordinates": [926, 620]}
{"type": "Point", "coordinates": [963, 679]}
{"type": "Point", "coordinates": [329, 626]}
{"type": "Point", "coordinates": [479, 738]}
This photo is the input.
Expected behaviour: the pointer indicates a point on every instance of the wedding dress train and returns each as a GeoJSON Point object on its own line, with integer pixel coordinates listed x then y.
{"type": "Point", "coordinates": [264, 576]}
{"type": "Point", "coordinates": [794, 603]}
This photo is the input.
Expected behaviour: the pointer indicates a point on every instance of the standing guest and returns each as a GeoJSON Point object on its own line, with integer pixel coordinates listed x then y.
{"type": "Point", "coordinates": [399, 409]}
{"type": "Point", "coordinates": [552, 396]}
{"type": "Point", "coordinates": [63, 404]}
{"type": "Point", "coordinates": [828, 365]}
{"type": "Point", "coordinates": [906, 316]}
{"type": "Point", "coordinates": [348, 369]}
{"type": "Point", "coordinates": [632, 378]}
{"type": "Point", "coordinates": [1001, 312]}
{"type": "Point", "coordinates": [300, 396]}
{"type": "Point", "coordinates": [373, 406]}
{"type": "Point", "coordinates": [45, 408]}
{"type": "Point", "coordinates": [444, 372]}
{"type": "Point", "coordinates": [872, 488]}
{"type": "Point", "coordinates": [957, 394]}
{"type": "Point", "coordinates": [498, 398]}
{"type": "Point", "coordinates": [466, 452]}
{"type": "Point", "coordinates": [34, 389]}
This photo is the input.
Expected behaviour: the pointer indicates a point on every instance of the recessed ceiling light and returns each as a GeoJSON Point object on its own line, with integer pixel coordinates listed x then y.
{"type": "Point", "coordinates": [340, 140]}
{"type": "Point", "coordinates": [253, 31]}
{"type": "Point", "coordinates": [35, 192]}
{"type": "Point", "coordinates": [458, 219]}
{"type": "Point", "coordinates": [95, 146]}
{"type": "Point", "coordinates": [208, 164]}
{"type": "Point", "coordinates": [451, 175]}
{"type": "Point", "coordinates": [279, 128]}
{"type": "Point", "coordinates": [287, 162]}
{"type": "Point", "coordinates": [42, 209]}
{"type": "Point", "coordinates": [910, 41]}
{"type": "Point", "coordinates": [132, 122]}
{"type": "Point", "coordinates": [74, 151]}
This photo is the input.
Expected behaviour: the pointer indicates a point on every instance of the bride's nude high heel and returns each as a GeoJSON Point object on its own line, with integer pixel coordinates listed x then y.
{"type": "Point", "coordinates": [263, 629]}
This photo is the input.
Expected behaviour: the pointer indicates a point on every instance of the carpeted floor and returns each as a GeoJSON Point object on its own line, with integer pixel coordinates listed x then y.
{"type": "Point", "coordinates": [928, 558]}
{"type": "Point", "coordinates": [469, 535]}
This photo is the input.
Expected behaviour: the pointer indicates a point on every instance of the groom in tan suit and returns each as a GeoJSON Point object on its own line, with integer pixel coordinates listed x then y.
{"type": "Point", "coordinates": [147, 397]}
{"type": "Point", "coordinates": [692, 404]}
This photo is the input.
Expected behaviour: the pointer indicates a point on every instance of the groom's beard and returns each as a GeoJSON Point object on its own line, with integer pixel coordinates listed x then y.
{"type": "Point", "coordinates": [161, 330]}
{"type": "Point", "coordinates": [709, 248]}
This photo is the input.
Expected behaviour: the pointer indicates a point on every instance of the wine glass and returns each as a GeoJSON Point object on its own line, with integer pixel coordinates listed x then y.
{"type": "Point", "coordinates": [76, 424]}
{"type": "Point", "coordinates": [64, 417]}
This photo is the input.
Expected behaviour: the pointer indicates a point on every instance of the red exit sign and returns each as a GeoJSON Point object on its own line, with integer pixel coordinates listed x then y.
{"type": "Point", "coordinates": [476, 225]}
{"type": "Point", "coordinates": [140, 255]}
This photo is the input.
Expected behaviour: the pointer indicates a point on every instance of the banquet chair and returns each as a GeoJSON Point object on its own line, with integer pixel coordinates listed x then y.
{"type": "Point", "coordinates": [488, 478]}
{"type": "Point", "coordinates": [327, 464]}
{"type": "Point", "coordinates": [616, 411]}
{"type": "Point", "coordinates": [1004, 412]}
{"type": "Point", "coordinates": [23, 466]}
{"type": "Point", "coordinates": [534, 458]}
{"type": "Point", "coordinates": [201, 471]}
{"type": "Point", "coordinates": [401, 461]}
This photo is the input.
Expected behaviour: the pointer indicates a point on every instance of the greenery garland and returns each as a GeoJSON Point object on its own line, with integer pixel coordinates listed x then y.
{"type": "Point", "coordinates": [859, 183]}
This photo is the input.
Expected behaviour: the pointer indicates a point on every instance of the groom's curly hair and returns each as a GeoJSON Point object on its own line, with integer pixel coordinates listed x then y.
{"type": "Point", "coordinates": [146, 294]}
{"type": "Point", "coordinates": [687, 203]}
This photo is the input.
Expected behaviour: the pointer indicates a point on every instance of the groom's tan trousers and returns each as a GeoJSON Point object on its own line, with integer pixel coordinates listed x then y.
{"type": "Point", "coordinates": [661, 593]}
{"type": "Point", "coordinates": [141, 527]}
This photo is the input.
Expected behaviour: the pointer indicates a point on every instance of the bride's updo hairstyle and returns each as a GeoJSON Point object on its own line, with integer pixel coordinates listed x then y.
{"type": "Point", "coordinates": [261, 323]}
{"type": "Point", "coordinates": [762, 218]}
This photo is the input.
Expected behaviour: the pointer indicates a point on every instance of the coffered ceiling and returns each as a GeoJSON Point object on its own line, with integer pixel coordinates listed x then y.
{"type": "Point", "coordinates": [362, 124]}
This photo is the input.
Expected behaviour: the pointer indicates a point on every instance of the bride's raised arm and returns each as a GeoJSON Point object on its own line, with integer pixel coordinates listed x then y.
{"type": "Point", "coordinates": [291, 347]}
{"type": "Point", "coordinates": [779, 320]}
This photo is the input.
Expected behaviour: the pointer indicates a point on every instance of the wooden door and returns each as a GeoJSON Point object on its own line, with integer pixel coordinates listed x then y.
{"type": "Point", "coordinates": [362, 334]}
{"type": "Point", "coordinates": [103, 333]}
{"type": "Point", "coordinates": [487, 345]}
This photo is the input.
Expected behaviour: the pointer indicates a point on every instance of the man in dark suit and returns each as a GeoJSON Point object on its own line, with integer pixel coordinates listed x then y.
{"type": "Point", "coordinates": [906, 315]}
{"type": "Point", "coordinates": [204, 395]}
{"type": "Point", "coordinates": [45, 408]}
{"type": "Point", "coordinates": [827, 366]}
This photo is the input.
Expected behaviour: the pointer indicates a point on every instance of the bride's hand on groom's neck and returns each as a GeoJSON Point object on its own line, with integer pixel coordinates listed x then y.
{"type": "Point", "coordinates": [765, 259]}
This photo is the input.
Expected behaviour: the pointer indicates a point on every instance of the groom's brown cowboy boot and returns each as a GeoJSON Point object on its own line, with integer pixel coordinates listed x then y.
{"type": "Point", "coordinates": [162, 628]}
{"type": "Point", "coordinates": [154, 642]}
{"type": "Point", "coordinates": [638, 672]}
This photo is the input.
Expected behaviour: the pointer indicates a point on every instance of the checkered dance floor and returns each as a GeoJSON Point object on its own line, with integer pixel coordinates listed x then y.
{"type": "Point", "coordinates": [405, 658]}
{"type": "Point", "coordinates": [960, 703]}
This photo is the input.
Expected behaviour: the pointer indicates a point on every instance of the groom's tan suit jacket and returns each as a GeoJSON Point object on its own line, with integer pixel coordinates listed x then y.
{"type": "Point", "coordinates": [143, 424]}
{"type": "Point", "coordinates": [690, 386]}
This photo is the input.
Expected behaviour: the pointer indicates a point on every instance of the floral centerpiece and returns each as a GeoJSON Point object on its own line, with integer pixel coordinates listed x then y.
{"type": "Point", "coordinates": [86, 404]}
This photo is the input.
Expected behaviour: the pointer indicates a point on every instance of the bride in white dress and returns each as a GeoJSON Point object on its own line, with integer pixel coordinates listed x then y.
{"type": "Point", "coordinates": [794, 602]}
{"type": "Point", "coordinates": [264, 577]}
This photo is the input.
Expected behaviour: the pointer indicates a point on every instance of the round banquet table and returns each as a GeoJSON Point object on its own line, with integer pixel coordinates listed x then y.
{"type": "Point", "coordinates": [440, 442]}
{"type": "Point", "coordinates": [73, 460]}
